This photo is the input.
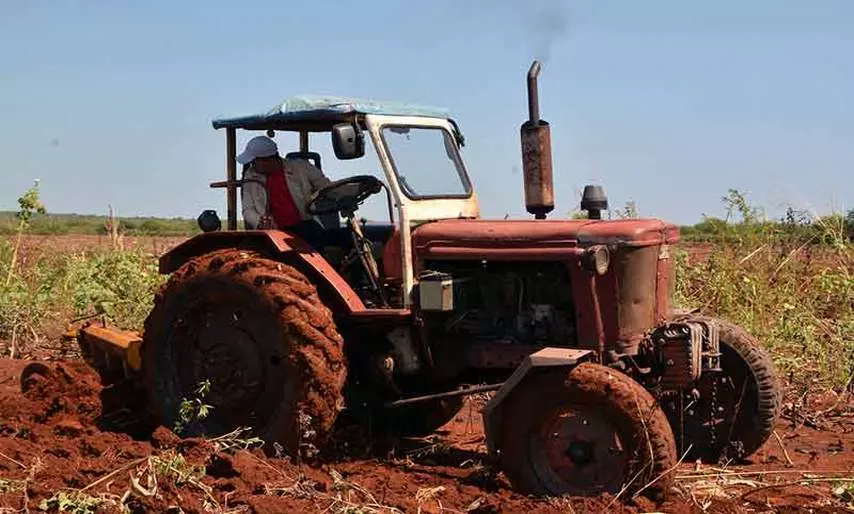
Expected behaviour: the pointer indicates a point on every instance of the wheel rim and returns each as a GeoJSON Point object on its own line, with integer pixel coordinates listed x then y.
{"type": "Point", "coordinates": [578, 451]}
{"type": "Point", "coordinates": [225, 346]}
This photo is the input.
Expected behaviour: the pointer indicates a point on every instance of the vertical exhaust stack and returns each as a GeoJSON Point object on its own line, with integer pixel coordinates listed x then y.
{"type": "Point", "coordinates": [537, 154]}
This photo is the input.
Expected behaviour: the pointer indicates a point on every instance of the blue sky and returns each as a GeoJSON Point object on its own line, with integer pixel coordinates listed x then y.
{"type": "Point", "coordinates": [668, 104]}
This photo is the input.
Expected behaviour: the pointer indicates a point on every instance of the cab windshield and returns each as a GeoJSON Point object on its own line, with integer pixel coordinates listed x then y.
{"type": "Point", "coordinates": [426, 162]}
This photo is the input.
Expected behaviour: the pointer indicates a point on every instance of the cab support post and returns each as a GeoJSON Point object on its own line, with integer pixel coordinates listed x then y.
{"type": "Point", "coordinates": [303, 141]}
{"type": "Point", "coordinates": [231, 176]}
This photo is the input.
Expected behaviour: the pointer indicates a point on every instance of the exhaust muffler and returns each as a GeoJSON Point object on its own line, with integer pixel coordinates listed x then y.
{"type": "Point", "coordinates": [537, 154]}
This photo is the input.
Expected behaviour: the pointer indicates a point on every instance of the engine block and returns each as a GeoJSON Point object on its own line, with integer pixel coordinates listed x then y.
{"type": "Point", "coordinates": [527, 303]}
{"type": "Point", "coordinates": [684, 351]}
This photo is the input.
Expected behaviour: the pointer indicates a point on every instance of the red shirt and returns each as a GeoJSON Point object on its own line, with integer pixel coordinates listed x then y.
{"type": "Point", "coordinates": [282, 207]}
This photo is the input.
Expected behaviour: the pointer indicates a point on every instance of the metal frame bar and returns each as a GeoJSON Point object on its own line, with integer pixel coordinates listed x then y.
{"type": "Point", "coordinates": [448, 394]}
{"type": "Point", "coordinates": [418, 210]}
{"type": "Point", "coordinates": [303, 141]}
{"type": "Point", "coordinates": [231, 176]}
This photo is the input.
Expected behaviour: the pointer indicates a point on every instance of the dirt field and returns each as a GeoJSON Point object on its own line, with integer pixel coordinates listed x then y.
{"type": "Point", "coordinates": [66, 434]}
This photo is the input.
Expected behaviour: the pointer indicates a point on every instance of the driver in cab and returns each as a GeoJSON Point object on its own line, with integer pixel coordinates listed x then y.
{"type": "Point", "coordinates": [275, 191]}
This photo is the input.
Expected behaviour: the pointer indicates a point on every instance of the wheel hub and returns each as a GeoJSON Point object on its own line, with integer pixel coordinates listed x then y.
{"type": "Point", "coordinates": [231, 362]}
{"type": "Point", "coordinates": [579, 451]}
{"type": "Point", "coordinates": [222, 349]}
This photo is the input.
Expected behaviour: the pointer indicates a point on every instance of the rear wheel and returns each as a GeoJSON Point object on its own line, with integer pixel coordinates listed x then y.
{"type": "Point", "coordinates": [586, 432]}
{"type": "Point", "coordinates": [255, 331]}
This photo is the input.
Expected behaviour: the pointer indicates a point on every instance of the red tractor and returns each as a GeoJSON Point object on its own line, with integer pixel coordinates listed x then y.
{"type": "Point", "coordinates": [599, 384]}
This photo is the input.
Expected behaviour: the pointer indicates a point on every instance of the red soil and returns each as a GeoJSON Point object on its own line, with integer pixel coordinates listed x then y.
{"type": "Point", "coordinates": [66, 432]}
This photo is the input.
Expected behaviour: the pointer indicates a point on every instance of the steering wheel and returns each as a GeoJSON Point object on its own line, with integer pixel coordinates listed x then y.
{"type": "Point", "coordinates": [344, 195]}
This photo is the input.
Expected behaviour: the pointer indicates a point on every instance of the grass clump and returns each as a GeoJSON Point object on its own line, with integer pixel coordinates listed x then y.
{"type": "Point", "coordinates": [41, 298]}
{"type": "Point", "coordinates": [75, 502]}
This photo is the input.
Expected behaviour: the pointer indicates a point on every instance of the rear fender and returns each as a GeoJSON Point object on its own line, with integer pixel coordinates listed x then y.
{"type": "Point", "coordinates": [276, 244]}
{"type": "Point", "coordinates": [547, 358]}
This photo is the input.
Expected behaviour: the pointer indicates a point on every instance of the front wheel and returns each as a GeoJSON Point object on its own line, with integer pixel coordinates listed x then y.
{"type": "Point", "coordinates": [588, 431]}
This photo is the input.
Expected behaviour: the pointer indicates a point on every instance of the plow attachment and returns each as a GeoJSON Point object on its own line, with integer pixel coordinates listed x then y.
{"type": "Point", "coordinates": [114, 353]}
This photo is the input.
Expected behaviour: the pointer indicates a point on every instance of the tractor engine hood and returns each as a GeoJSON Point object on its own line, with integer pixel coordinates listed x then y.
{"type": "Point", "coordinates": [535, 239]}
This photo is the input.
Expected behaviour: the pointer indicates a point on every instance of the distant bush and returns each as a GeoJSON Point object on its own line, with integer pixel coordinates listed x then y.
{"type": "Point", "coordinates": [53, 224]}
{"type": "Point", "coordinates": [745, 223]}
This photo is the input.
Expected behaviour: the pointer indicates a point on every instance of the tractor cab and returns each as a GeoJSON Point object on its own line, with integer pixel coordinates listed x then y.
{"type": "Point", "coordinates": [423, 177]}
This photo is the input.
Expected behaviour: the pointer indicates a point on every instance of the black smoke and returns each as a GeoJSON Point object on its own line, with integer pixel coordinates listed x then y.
{"type": "Point", "coordinates": [546, 22]}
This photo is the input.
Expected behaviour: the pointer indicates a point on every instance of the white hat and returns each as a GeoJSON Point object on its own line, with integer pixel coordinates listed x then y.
{"type": "Point", "coordinates": [259, 146]}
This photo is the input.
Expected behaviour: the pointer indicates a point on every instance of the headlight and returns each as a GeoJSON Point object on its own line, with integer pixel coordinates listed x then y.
{"type": "Point", "coordinates": [596, 259]}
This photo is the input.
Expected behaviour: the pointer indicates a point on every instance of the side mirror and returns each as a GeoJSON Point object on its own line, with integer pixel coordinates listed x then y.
{"type": "Point", "coordinates": [348, 141]}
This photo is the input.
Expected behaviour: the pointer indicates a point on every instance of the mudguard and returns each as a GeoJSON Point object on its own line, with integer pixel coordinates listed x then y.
{"type": "Point", "coordinates": [549, 357]}
{"type": "Point", "coordinates": [276, 243]}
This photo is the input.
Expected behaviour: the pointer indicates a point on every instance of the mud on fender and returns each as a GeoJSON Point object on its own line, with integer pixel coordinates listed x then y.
{"type": "Point", "coordinates": [548, 357]}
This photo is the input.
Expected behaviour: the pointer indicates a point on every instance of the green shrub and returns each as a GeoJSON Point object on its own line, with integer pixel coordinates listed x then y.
{"type": "Point", "coordinates": [790, 284]}
{"type": "Point", "coordinates": [53, 290]}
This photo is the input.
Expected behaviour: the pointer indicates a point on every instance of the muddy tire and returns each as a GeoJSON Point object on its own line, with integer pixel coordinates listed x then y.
{"type": "Point", "coordinates": [743, 426]}
{"type": "Point", "coordinates": [257, 330]}
{"type": "Point", "coordinates": [602, 410]}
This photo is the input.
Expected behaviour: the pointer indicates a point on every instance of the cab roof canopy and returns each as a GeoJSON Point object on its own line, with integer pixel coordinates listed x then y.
{"type": "Point", "coordinates": [307, 113]}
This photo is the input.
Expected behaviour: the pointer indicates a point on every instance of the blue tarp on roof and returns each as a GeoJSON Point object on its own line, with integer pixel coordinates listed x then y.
{"type": "Point", "coordinates": [318, 108]}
